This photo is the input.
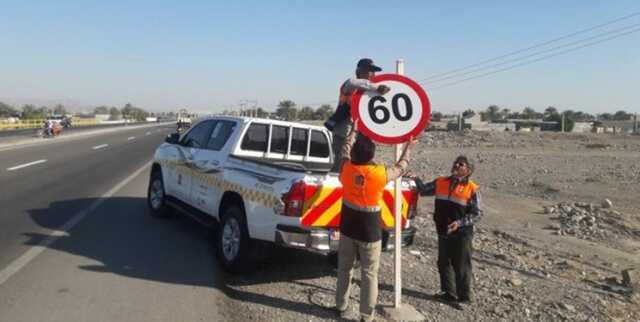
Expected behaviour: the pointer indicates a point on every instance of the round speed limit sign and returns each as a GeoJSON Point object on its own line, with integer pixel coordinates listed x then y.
{"type": "Point", "coordinates": [396, 116]}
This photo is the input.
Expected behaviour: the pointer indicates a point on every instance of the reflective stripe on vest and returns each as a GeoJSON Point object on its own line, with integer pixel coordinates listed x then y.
{"type": "Point", "coordinates": [460, 194]}
{"type": "Point", "coordinates": [361, 208]}
{"type": "Point", "coordinates": [363, 185]}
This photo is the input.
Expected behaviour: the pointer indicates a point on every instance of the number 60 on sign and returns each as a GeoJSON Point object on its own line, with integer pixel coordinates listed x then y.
{"type": "Point", "coordinates": [392, 118]}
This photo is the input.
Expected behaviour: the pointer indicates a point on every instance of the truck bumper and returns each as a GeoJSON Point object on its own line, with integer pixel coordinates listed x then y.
{"type": "Point", "coordinates": [326, 241]}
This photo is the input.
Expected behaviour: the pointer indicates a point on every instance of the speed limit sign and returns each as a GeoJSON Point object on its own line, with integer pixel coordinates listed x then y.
{"type": "Point", "coordinates": [396, 116]}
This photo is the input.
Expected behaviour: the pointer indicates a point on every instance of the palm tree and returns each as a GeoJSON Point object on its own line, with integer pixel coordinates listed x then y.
{"type": "Point", "coordinates": [528, 113]}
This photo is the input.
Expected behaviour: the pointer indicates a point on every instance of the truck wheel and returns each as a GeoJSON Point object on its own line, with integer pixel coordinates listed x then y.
{"type": "Point", "coordinates": [156, 198]}
{"type": "Point", "coordinates": [233, 240]}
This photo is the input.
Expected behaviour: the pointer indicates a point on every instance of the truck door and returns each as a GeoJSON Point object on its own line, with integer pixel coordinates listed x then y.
{"type": "Point", "coordinates": [207, 164]}
{"type": "Point", "coordinates": [190, 145]}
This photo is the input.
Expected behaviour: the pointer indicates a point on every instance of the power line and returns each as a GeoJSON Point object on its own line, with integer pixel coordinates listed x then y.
{"type": "Point", "coordinates": [456, 75]}
{"type": "Point", "coordinates": [539, 59]}
{"type": "Point", "coordinates": [637, 13]}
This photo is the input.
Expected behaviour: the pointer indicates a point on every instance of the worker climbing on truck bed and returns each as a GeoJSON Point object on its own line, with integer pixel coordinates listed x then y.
{"type": "Point", "coordinates": [340, 122]}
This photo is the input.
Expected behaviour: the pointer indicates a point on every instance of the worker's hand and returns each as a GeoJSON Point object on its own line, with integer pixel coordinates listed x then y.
{"type": "Point", "coordinates": [356, 123]}
{"type": "Point", "coordinates": [453, 227]}
{"type": "Point", "coordinates": [383, 89]}
{"type": "Point", "coordinates": [413, 141]}
{"type": "Point", "coordinates": [411, 175]}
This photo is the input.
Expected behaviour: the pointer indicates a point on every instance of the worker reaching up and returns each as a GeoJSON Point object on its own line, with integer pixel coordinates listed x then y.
{"type": "Point", "coordinates": [340, 122]}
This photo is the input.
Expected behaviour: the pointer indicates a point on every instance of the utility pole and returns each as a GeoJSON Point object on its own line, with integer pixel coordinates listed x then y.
{"type": "Point", "coordinates": [562, 125]}
{"type": "Point", "coordinates": [250, 112]}
{"type": "Point", "coordinates": [635, 123]}
{"type": "Point", "coordinates": [460, 122]}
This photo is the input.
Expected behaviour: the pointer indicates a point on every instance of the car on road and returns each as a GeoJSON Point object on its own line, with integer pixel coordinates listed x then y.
{"type": "Point", "coordinates": [260, 182]}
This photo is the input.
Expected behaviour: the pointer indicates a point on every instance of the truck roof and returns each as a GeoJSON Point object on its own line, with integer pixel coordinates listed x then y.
{"type": "Point", "coordinates": [245, 119]}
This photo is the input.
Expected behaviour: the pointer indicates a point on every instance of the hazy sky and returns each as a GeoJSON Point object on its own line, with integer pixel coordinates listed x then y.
{"type": "Point", "coordinates": [209, 55]}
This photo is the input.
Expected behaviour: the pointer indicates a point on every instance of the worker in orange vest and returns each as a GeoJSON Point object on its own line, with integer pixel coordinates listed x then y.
{"type": "Point", "coordinates": [340, 122]}
{"type": "Point", "coordinates": [363, 182]}
{"type": "Point", "coordinates": [457, 209]}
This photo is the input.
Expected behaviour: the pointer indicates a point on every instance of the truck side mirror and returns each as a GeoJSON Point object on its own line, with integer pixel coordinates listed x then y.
{"type": "Point", "coordinates": [172, 138]}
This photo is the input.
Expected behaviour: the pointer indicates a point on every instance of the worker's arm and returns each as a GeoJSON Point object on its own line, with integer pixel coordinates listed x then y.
{"type": "Point", "coordinates": [353, 84]}
{"type": "Point", "coordinates": [474, 212]}
{"type": "Point", "coordinates": [400, 167]}
{"type": "Point", "coordinates": [347, 145]}
{"type": "Point", "coordinates": [425, 189]}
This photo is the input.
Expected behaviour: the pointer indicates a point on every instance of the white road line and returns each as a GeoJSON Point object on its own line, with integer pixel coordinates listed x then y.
{"type": "Point", "coordinates": [101, 146]}
{"type": "Point", "coordinates": [148, 133]}
{"type": "Point", "coordinates": [26, 165]}
{"type": "Point", "coordinates": [131, 138]}
{"type": "Point", "coordinates": [53, 235]}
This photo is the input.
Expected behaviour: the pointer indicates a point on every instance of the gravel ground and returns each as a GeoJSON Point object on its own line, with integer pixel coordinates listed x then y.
{"type": "Point", "coordinates": [548, 249]}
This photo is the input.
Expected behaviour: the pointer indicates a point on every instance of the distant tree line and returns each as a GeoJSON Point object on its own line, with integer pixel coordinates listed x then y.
{"type": "Point", "coordinates": [288, 110]}
{"type": "Point", "coordinates": [494, 113]}
{"type": "Point", "coordinates": [29, 111]}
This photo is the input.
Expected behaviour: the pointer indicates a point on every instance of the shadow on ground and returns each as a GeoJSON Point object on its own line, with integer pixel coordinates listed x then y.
{"type": "Point", "coordinates": [126, 241]}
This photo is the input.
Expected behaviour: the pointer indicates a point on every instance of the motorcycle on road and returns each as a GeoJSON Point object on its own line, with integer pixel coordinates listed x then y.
{"type": "Point", "coordinates": [55, 130]}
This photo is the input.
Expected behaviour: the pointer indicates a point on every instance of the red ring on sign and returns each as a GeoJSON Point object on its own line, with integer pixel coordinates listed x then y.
{"type": "Point", "coordinates": [424, 120]}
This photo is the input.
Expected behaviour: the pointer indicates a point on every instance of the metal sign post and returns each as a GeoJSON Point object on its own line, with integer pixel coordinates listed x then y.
{"type": "Point", "coordinates": [398, 217]}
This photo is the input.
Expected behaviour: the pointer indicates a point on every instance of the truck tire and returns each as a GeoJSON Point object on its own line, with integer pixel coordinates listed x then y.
{"type": "Point", "coordinates": [233, 241]}
{"type": "Point", "coordinates": [156, 198]}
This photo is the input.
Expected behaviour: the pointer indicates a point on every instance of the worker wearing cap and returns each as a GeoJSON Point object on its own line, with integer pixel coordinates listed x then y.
{"type": "Point", "coordinates": [363, 182]}
{"type": "Point", "coordinates": [457, 209]}
{"type": "Point", "coordinates": [340, 122]}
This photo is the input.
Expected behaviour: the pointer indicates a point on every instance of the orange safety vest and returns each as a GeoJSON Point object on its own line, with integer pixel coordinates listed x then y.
{"type": "Point", "coordinates": [460, 194]}
{"type": "Point", "coordinates": [451, 205]}
{"type": "Point", "coordinates": [363, 185]}
{"type": "Point", "coordinates": [362, 190]}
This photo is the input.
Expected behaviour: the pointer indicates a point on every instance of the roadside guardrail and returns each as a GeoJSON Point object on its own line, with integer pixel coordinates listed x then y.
{"type": "Point", "coordinates": [37, 123]}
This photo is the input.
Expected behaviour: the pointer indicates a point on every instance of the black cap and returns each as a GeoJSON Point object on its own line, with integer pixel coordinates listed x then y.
{"type": "Point", "coordinates": [367, 64]}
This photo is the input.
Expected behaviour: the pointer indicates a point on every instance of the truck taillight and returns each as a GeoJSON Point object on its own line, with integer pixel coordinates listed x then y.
{"type": "Point", "coordinates": [295, 197]}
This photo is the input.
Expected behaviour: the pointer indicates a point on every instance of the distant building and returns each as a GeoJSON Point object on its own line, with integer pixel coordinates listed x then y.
{"type": "Point", "coordinates": [505, 126]}
{"type": "Point", "coordinates": [476, 123]}
{"type": "Point", "coordinates": [615, 127]}
{"type": "Point", "coordinates": [534, 125]}
{"type": "Point", "coordinates": [582, 127]}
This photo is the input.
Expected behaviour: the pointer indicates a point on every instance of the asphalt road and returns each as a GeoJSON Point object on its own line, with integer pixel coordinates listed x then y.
{"type": "Point", "coordinates": [77, 244]}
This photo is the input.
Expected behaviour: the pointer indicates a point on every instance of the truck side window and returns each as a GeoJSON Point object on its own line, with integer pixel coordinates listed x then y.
{"type": "Point", "coordinates": [279, 139]}
{"type": "Point", "coordinates": [199, 136]}
{"type": "Point", "coordinates": [255, 139]}
{"type": "Point", "coordinates": [319, 145]}
{"type": "Point", "coordinates": [220, 134]}
{"type": "Point", "coordinates": [299, 142]}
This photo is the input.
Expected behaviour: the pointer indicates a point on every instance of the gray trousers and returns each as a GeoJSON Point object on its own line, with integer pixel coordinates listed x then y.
{"type": "Point", "coordinates": [369, 254]}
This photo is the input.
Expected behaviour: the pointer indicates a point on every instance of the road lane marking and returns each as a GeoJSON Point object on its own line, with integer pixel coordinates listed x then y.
{"type": "Point", "coordinates": [101, 146]}
{"type": "Point", "coordinates": [148, 133]}
{"type": "Point", "coordinates": [22, 261]}
{"type": "Point", "coordinates": [131, 138]}
{"type": "Point", "coordinates": [26, 165]}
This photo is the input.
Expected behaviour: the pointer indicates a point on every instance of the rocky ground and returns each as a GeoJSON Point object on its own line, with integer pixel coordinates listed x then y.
{"type": "Point", "coordinates": [562, 222]}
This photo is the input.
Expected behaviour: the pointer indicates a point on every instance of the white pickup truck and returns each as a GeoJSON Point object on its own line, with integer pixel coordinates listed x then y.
{"type": "Point", "coordinates": [260, 180]}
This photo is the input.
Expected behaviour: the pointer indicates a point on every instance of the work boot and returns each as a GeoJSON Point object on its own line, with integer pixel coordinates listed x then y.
{"type": "Point", "coordinates": [340, 313]}
{"type": "Point", "coordinates": [445, 297]}
{"type": "Point", "coordinates": [463, 304]}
